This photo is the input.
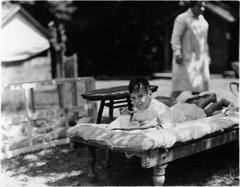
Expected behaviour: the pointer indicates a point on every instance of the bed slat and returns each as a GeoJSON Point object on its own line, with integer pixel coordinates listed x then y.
{"type": "Point", "coordinates": [159, 156]}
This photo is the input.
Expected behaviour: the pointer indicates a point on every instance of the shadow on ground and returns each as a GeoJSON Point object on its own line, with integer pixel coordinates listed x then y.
{"type": "Point", "coordinates": [62, 166]}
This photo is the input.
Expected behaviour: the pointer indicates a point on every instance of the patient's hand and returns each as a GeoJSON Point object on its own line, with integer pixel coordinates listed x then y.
{"type": "Point", "coordinates": [144, 124]}
{"type": "Point", "coordinates": [137, 123]}
{"type": "Point", "coordinates": [232, 111]}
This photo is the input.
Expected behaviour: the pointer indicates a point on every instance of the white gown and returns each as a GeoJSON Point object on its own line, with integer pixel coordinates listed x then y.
{"type": "Point", "coordinates": [189, 38]}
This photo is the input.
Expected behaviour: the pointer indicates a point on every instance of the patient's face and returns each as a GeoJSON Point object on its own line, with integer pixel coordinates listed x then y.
{"type": "Point", "coordinates": [141, 99]}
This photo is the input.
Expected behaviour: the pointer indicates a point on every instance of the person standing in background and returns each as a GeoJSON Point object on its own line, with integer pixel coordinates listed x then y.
{"type": "Point", "coordinates": [190, 65]}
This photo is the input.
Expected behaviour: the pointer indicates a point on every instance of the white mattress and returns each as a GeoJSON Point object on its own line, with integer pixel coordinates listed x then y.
{"type": "Point", "coordinates": [151, 138]}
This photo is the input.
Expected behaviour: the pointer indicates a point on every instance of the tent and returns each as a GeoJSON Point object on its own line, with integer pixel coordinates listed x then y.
{"type": "Point", "coordinates": [22, 37]}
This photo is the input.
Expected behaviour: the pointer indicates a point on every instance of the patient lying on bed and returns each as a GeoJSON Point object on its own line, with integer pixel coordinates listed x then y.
{"type": "Point", "coordinates": [149, 112]}
{"type": "Point", "coordinates": [152, 124]}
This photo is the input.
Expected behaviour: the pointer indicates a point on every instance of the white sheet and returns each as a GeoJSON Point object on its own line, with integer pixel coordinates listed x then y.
{"type": "Point", "coordinates": [141, 140]}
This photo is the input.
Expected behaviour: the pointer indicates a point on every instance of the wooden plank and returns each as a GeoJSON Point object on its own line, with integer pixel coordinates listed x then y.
{"type": "Point", "coordinates": [32, 122]}
{"type": "Point", "coordinates": [28, 103]}
{"type": "Point", "coordinates": [50, 113]}
{"type": "Point", "coordinates": [75, 65]}
{"type": "Point", "coordinates": [74, 98]}
{"type": "Point", "coordinates": [74, 93]}
{"type": "Point", "coordinates": [54, 113]}
{"type": "Point", "coordinates": [70, 66]}
{"type": "Point", "coordinates": [159, 156]}
{"type": "Point", "coordinates": [61, 97]}
{"type": "Point", "coordinates": [60, 91]}
{"type": "Point", "coordinates": [95, 144]}
{"type": "Point", "coordinates": [12, 153]}
{"type": "Point", "coordinates": [33, 109]}
{"type": "Point", "coordinates": [46, 97]}
{"type": "Point", "coordinates": [92, 111]}
{"type": "Point", "coordinates": [26, 85]}
{"type": "Point", "coordinates": [14, 119]}
{"type": "Point", "coordinates": [34, 84]}
{"type": "Point", "coordinates": [41, 114]}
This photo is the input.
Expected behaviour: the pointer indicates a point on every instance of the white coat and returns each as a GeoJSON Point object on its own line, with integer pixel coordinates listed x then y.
{"type": "Point", "coordinates": [189, 38]}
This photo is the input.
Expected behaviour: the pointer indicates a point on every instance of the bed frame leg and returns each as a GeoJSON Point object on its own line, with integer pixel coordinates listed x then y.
{"type": "Point", "coordinates": [91, 159]}
{"type": "Point", "coordinates": [106, 159]}
{"type": "Point", "coordinates": [159, 174]}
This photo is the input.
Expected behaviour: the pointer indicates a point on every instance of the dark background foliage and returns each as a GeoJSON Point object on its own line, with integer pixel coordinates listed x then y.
{"type": "Point", "coordinates": [117, 37]}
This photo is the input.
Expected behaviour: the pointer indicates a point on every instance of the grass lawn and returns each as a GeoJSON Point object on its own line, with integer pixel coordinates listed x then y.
{"type": "Point", "coordinates": [62, 166]}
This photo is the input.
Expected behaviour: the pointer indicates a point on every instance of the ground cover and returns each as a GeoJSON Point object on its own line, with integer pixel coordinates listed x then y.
{"type": "Point", "coordinates": [63, 166]}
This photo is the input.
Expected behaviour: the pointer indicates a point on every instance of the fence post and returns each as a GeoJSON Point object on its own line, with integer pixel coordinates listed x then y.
{"type": "Point", "coordinates": [30, 108]}
{"type": "Point", "coordinates": [61, 90]}
{"type": "Point", "coordinates": [92, 111]}
{"type": "Point", "coordinates": [75, 66]}
{"type": "Point", "coordinates": [74, 97]}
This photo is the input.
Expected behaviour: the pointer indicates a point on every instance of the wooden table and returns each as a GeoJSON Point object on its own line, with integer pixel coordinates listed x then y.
{"type": "Point", "coordinates": [114, 97]}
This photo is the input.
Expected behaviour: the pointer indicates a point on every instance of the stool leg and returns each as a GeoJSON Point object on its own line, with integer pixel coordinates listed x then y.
{"type": "Point", "coordinates": [111, 110]}
{"type": "Point", "coordinates": [106, 160]}
{"type": "Point", "coordinates": [159, 174]}
{"type": "Point", "coordinates": [99, 118]}
{"type": "Point", "coordinates": [103, 172]}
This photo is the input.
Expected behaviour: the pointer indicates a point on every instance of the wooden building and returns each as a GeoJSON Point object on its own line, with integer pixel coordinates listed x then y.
{"type": "Point", "coordinates": [23, 39]}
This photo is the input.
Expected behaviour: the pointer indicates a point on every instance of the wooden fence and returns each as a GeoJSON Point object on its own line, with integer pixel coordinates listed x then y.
{"type": "Point", "coordinates": [48, 100]}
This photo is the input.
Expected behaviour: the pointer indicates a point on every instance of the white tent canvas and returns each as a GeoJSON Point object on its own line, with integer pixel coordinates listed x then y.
{"type": "Point", "coordinates": [21, 36]}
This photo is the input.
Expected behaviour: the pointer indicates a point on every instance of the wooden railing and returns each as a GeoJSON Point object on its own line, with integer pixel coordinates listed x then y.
{"type": "Point", "coordinates": [69, 105]}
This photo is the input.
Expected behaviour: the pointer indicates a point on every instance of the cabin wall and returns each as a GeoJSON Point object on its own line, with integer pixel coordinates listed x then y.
{"type": "Point", "coordinates": [36, 69]}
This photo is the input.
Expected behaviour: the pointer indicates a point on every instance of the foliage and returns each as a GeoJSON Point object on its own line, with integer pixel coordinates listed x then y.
{"type": "Point", "coordinates": [117, 34]}
{"type": "Point", "coordinates": [59, 10]}
{"type": "Point", "coordinates": [62, 10]}
{"type": "Point", "coordinates": [114, 37]}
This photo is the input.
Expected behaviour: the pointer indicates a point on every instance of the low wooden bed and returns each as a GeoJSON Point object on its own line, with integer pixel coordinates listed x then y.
{"type": "Point", "coordinates": [158, 158]}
